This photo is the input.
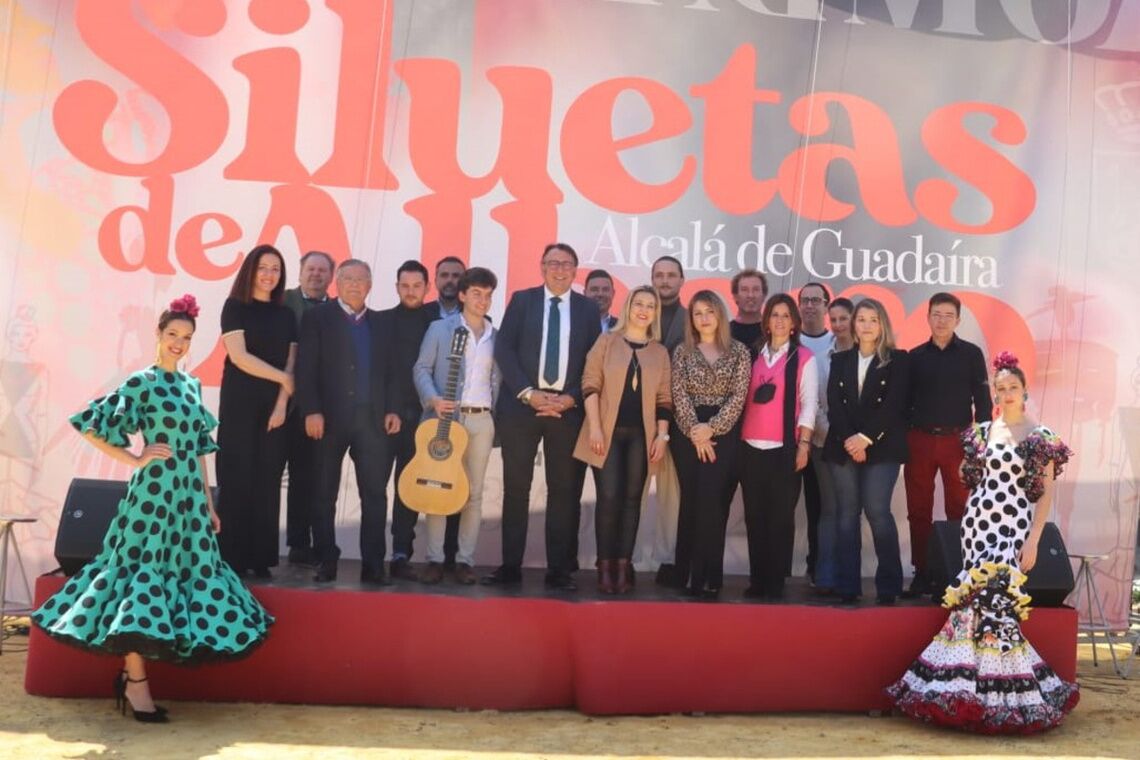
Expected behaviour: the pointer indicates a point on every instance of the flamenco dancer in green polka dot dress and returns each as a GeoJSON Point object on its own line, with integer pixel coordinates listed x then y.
{"type": "Point", "coordinates": [159, 589]}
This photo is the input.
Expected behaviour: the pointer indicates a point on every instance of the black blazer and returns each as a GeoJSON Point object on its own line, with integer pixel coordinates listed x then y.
{"type": "Point", "coordinates": [518, 345]}
{"type": "Point", "coordinates": [326, 366]}
{"type": "Point", "coordinates": [879, 413]}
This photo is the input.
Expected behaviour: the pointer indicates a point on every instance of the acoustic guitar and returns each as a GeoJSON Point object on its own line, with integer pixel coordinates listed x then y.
{"type": "Point", "coordinates": [434, 482]}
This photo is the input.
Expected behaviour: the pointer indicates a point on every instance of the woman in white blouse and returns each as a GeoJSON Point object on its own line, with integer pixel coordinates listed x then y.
{"type": "Point", "coordinates": [866, 446]}
{"type": "Point", "coordinates": [779, 414]}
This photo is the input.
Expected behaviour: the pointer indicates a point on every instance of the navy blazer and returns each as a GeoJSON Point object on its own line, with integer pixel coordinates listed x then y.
{"type": "Point", "coordinates": [326, 366]}
{"type": "Point", "coordinates": [518, 346]}
{"type": "Point", "coordinates": [878, 413]}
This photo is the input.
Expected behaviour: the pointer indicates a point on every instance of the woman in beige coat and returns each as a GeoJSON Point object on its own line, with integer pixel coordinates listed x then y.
{"type": "Point", "coordinates": [626, 387]}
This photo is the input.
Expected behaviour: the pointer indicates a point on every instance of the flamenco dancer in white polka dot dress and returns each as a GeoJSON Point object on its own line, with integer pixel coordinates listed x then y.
{"type": "Point", "coordinates": [159, 588]}
{"type": "Point", "coordinates": [979, 673]}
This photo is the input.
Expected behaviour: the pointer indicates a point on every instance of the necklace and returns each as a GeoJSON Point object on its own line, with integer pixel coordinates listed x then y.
{"type": "Point", "coordinates": [635, 380]}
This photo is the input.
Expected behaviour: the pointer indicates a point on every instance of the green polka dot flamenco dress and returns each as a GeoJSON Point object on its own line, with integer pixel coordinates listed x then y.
{"type": "Point", "coordinates": [159, 587]}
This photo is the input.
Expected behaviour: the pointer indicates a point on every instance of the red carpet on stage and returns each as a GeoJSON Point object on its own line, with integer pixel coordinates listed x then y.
{"type": "Point", "coordinates": [396, 648]}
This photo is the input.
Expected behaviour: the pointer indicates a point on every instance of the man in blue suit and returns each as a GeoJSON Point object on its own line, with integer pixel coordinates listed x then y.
{"type": "Point", "coordinates": [541, 351]}
{"type": "Point", "coordinates": [343, 366]}
{"type": "Point", "coordinates": [474, 399]}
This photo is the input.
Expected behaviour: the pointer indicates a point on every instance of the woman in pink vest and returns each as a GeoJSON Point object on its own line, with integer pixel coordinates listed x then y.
{"type": "Point", "coordinates": [779, 415]}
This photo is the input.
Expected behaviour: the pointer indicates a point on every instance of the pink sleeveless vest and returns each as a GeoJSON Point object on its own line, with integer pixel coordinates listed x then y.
{"type": "Point", "coordinates": [765, 422]}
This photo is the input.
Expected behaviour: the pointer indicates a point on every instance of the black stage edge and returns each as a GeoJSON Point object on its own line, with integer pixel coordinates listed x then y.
{"type": "Point", "coordinates": [797, 591]}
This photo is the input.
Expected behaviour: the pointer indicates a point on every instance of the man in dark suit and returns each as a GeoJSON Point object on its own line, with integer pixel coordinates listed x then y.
{"type": "Point", "coordinates": [408, 321]}
{"type": "Point", "coordinates": [541, 351]}
{"type": "Point", "coordinates": [316, 276]}
{"type": "Point", "coordinates": [342, 388]}
{"type": "Point", "coordinates": [599, 288]}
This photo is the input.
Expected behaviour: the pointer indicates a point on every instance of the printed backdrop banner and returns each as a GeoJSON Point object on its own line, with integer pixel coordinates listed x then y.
{"type": "Point", "coordinates": [888, 148]}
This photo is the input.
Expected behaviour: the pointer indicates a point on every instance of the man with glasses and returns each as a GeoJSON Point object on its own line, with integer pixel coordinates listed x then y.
{"type": "Point", "coordinates": [949, 389]}
{"type": "Point", "coordinates": [541, 352]}
{"type": "Point", "coordinates": [814, 298]}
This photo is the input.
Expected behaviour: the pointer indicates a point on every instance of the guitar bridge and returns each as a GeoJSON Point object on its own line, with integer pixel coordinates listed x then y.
{"type": "Point", "coordinates": [428, 483]}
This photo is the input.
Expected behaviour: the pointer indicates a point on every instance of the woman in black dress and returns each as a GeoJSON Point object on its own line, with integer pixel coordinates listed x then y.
{"type": "Point", "coordinates": [260, 338]}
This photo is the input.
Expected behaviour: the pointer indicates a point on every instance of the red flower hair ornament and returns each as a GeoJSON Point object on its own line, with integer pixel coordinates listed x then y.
{"type": "Point", "coordinates": [187, 305]}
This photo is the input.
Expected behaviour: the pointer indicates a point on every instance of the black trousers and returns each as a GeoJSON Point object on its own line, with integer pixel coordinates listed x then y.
{"type": "Point", "coordinates": [401, 449]}
{"type": "Point", "coordinates": [620, 481]}
{"type": "Point", "coordinates": [366, 445]}
{"type": "Point", "coordinates": [771, 488]}
{"type": "Point", "coordinates": [811, 508]}
{"type": "Point", "coordinates": [520, 435]}
{"type": "Point", "coordinates": [706, 496]}
{"type": "Point", "coordinates": [304, 475]}
{"type": "Point", "coordinates": [249, 465]}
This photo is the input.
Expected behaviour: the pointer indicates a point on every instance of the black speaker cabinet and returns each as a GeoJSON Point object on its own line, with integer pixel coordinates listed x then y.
{"type": "Point", "coordinates": [87, 511]}
{"type": "Point", "coordinates": [1049, 583]}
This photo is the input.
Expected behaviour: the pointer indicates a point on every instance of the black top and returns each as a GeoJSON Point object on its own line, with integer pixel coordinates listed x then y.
{"type": "Point", "coordinates": [408, 327]}
{"type": "Point", "coordinates": [269, 328]}
{"type": "Point", "coordinates": [945, 383]}
{"type": "Point", "coordinates": [748, 334]}
{"type": "Point", "coordinates": [669, 313]}
{"type": "Point", "coordinates": [878, 412]}
{"type": "Point", "coordinates": [629, 408]}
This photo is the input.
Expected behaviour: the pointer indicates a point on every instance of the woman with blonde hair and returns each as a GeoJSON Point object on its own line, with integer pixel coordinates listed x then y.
{"type": "Point", "coordinates": [710, 382]}
{"type": "Point", "coordinates": [625, 387]}
{"type": "Point", "coordinates": [866, 446]}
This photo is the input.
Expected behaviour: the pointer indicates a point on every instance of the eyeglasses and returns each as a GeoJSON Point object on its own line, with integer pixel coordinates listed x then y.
{"type": "Point", "coordinates": [813, 301]}
{"type": "Point", "coordinates": [559, 264]}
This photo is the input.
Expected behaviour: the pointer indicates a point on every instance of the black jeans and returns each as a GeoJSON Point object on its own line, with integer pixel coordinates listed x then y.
{"type": "Point", "coordinates": [304, 475]}
{"type": "Point", "coordinates": [811, 508]}
{"type": "Point", "coordinates": [771, 488]}
{"type": "Point", "coordinates": [367, 446]}
{"type": "Point", "coordinates": [706, 496]}
{"type": "Point", "coordinates": [620, 481]}
{"type": "Point", "coordinates": [520, 434]}
{"type": "Point", "coordinates": [401, 449]}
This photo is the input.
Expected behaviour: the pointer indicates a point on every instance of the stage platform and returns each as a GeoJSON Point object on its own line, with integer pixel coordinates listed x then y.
{"type": "Point", "coordinates": [451, 646]}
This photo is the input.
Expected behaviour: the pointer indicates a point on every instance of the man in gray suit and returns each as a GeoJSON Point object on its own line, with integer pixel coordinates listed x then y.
{"type": "Point", "coordinates": [668, 276]}
{"type": "Point", "coordinates": [476, 394]}
{"type": "Point", "coordinates": [313, 288]}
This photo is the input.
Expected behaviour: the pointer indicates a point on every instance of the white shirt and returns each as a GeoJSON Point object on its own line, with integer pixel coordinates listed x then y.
{"type": "Point", "coordinates": [822, 347]}
{"type": "Point", "coordinates": [478, 360]}
{"type": "Point", "coordinates": [563, 340]}
{"type": "Point", "coordinates": [864, 365]}
{"type": "Point", "coordinates": [348, 310]}
{"type": "Point", "coordinates": [809, 393]}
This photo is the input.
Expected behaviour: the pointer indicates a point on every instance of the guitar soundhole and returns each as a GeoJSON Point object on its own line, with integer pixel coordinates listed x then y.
{"type": "Point", "coordinates": [439, 448]}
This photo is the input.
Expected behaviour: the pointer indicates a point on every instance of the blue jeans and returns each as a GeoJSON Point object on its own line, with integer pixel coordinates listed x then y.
{"type": "Point", "coordinates": [826, 558]}
{"type": "Point", "coordinates": [866, 488]}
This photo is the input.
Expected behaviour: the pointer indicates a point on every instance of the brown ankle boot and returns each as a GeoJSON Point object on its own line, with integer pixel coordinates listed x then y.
{"type": "Point", "coordinates": [623, 583]}
{"type": "Point", "coordinates": [605, 576]}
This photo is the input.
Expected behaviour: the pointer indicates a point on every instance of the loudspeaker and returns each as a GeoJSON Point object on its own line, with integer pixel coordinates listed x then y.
{"type": "Point", "coordinates": [1049, 583]}
{"type": "Point", "coordinates": [88, 509]}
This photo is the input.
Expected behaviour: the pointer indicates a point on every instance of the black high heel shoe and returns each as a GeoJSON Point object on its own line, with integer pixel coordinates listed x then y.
{"type": "Point", "coordinates": [158, 715]}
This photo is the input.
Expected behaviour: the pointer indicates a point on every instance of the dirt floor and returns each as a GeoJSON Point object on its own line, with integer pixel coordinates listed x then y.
{"type": "Point", "coordinates": [1106, 724]}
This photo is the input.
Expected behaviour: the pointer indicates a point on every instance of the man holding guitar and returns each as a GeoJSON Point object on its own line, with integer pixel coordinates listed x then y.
{"type": "Point", "coordinates": [457, 379]}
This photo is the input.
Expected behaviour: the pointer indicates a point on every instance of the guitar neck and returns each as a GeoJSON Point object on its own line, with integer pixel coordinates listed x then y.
{"type": "Point", "coordinates": [449, 394]}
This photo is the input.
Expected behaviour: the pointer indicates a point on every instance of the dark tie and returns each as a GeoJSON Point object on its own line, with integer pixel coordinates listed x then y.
{"type": "Point", "coordinates": [553, 331]}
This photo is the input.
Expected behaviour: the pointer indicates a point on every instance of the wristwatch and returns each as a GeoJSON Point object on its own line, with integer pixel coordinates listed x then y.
{"type": "Point", "coordinates": [663, 436]}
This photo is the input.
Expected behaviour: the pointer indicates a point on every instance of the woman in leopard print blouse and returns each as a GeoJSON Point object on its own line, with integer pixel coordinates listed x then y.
{"type": "Point", "coordinates": [711, 372]}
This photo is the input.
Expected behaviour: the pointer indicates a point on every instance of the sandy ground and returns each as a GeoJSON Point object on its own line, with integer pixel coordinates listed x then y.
{"type": "Point", "coordinates": [1106, 724]}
